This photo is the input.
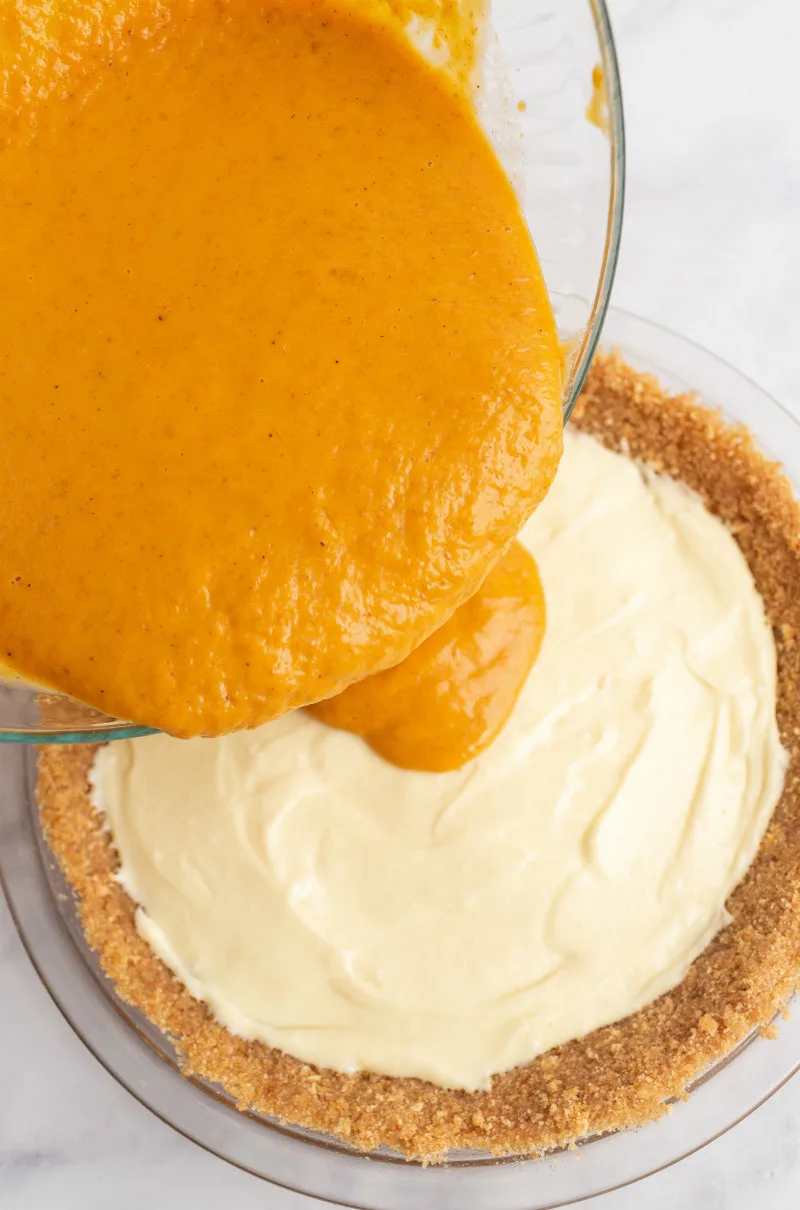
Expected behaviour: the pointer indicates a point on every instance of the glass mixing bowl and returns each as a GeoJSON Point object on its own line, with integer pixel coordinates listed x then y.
{"type": "Point", "coordinates": [570, 178]}
{"type": "Point", "coordinates": [143, 1060]}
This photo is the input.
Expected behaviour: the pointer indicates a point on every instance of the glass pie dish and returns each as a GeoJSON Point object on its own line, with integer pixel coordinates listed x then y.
{"type": "Point", "coordinates": [144, 1061]}
{"type": "Point", "coordinates": [570, 177]}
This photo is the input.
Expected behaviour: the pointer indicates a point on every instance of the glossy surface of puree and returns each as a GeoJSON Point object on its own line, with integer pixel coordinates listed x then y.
{"type": "Point", "coordinates": [278, 372]}
{"type": "Point", "coordinates": [451, 697]}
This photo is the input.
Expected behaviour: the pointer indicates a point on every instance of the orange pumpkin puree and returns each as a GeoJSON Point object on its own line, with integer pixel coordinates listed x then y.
{"type": "Point", "coordinates": [278, 371]}
{"type": "Point", "coordinates": [449, 699]}
{"type": "Point", "coordinates": [597, 109]}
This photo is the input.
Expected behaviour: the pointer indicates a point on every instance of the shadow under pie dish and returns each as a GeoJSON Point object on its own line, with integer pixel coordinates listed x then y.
{"type": "Point", "coordinates": [616, 1077]}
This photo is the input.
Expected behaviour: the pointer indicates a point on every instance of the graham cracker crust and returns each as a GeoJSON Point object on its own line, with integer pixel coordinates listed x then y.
{"type": "Point", "coordinates": [618, 1076]}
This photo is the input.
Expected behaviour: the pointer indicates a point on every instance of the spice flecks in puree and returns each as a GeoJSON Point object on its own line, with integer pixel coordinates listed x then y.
{"type": "Point", "coordinates": [279, 372]}
{"type": "Point", "coordinates": [447, 701]}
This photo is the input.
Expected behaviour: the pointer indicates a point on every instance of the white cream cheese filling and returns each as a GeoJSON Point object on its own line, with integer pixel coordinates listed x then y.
{"type": "Point", "coordinates": [450, 926]}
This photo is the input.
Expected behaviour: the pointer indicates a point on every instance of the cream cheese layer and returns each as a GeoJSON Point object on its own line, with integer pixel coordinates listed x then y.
{"type": "Point", "coordinates": [451, 926]}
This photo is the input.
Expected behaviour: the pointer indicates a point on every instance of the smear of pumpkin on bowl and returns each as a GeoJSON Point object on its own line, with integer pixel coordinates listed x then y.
{"type": "Point", "coordinates": [278, 369]}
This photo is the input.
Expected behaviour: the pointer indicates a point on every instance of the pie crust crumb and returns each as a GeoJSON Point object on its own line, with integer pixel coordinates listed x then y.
{"type": "Point", "coordinates": [616, 1077]}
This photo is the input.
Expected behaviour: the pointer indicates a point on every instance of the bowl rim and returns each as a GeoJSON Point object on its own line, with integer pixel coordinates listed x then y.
{"type": "Point", "coordinates": [616, 210]}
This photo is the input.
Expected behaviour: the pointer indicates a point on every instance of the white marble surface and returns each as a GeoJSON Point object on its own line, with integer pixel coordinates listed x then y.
{"type": "Point", "coordinates": [711, 249]}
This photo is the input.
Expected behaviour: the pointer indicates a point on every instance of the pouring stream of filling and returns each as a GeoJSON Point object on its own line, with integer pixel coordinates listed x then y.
{"type": "Point", "coordinates": [448, 700]}
{"type": "Point", "coordinates": [278, 369]}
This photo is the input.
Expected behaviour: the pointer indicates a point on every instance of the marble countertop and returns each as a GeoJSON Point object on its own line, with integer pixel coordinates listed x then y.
{"type": "Point", "coordinates": [712, 249]}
